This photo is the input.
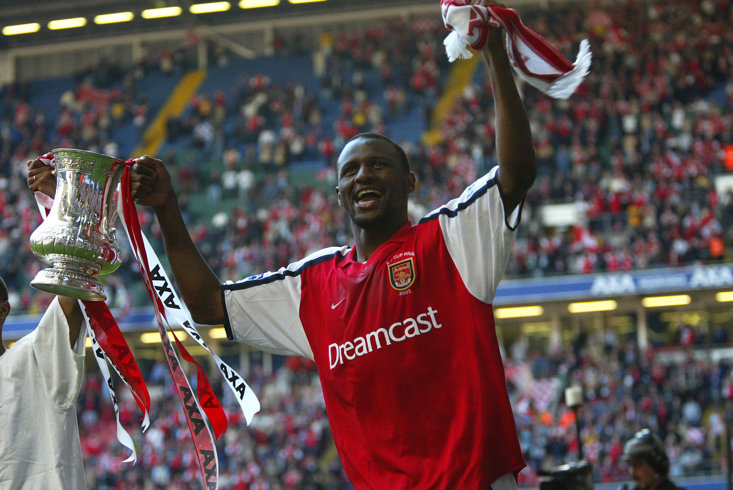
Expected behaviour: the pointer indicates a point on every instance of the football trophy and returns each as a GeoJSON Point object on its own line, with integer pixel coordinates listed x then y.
{"type": "Point", "coordinates": [77, 238]}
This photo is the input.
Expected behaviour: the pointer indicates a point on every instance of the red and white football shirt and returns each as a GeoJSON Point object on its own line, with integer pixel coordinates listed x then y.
{"type": "Point", "coordinates": [405, 345]}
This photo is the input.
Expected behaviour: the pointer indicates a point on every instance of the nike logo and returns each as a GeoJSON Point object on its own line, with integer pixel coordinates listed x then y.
{"type": "Point", "coordinates": [334, 305]}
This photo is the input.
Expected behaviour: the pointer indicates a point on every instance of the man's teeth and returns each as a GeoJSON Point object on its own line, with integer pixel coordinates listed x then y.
{"type": "Point", "coordinates": [368, 195]}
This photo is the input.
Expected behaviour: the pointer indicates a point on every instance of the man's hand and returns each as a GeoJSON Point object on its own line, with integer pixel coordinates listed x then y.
{"type": "Point", "coordinates": [496, 34]}
{"type": "Point", "coordinates": [41, 177]}
{"type": "Point", "coordinates": [150, 182]}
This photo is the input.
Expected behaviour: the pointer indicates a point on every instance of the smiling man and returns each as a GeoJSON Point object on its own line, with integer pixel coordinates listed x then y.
{"type": "Point", "coordinates": [400, 324]}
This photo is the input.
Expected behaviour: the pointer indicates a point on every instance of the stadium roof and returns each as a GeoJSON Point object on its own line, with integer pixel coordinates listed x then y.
{"type": "Point", "coordinates": [41, 12]}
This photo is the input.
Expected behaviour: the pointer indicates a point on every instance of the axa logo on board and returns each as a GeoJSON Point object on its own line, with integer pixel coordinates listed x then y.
{"type": "Point", "coordinates": [383, 337]}
{"type": "Point", "coordinates": [700, 277]}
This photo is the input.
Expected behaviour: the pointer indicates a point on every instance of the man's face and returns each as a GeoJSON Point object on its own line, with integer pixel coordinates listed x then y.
{"type": "Point", "coordinates": [643, 474]}
{"type": "Point", "coordinates": [373, 183]}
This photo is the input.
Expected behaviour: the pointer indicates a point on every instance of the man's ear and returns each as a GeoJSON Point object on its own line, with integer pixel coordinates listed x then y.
{"type": "Point", "coordinates": [338, 196]}
{"type": "Point", "coordinates": [4, 311]}
{"type": "Point", "coordinates": [411, 182]}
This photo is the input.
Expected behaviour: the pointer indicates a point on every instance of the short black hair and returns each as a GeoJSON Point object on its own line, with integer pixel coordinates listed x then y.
{"type": "Point", "coordinates": [379, 136]}
{"type": "Point", "coordinates": [3, 291]}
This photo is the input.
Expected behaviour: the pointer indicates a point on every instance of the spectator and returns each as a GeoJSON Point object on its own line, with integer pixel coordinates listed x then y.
{"type": "Point", "coordinates": [649, 462]}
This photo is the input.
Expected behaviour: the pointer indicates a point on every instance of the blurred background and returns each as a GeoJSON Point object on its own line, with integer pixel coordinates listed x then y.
{"type": "Point", "coordinates": [621, 279]}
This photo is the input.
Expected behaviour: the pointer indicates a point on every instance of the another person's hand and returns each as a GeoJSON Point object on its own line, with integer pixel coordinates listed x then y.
{"type": "Point", "coordinates": [150, 182]}
{"type": "Point", "coordinates": [41, 178]}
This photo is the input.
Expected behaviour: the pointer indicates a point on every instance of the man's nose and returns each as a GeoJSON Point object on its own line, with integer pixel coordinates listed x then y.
{"type": "Point", "coordinates": [364, 172]}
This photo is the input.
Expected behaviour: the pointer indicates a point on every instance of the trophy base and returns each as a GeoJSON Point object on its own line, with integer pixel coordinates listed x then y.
{"type": "Point", "coordinates": [67, 283]}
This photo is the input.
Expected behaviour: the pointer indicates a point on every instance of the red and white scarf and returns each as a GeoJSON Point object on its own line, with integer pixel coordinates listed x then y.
{"type": "Point", "coordinates": [534, 59]}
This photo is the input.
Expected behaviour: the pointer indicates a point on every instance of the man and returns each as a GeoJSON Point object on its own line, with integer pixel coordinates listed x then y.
{"type": "Point", "coordinates": [400, 325]}
{"type": "Point", "coordinates": [40, 378]}
{"type": "Point", "coordinates": [649, 462]}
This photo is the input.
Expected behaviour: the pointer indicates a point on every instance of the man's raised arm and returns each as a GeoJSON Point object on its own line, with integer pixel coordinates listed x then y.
{"type": "Point", "coordinates": [199, 286]}
{"type": "Point", "coordinates": [516, 154]}
{"type": "Point", "coordinates": [74, 318]}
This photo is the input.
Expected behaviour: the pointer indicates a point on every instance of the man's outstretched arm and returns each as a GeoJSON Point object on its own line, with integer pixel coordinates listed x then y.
{"type": "Point", "coordinates": [199, 286]}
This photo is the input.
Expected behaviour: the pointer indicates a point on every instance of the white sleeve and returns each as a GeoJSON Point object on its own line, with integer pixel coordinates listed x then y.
{"type": "Point", "coordinates": [61, 367]}
{"type": "Point", "coordinates": [264, 310]}
{"type": "Point", "coordinates": [479, 235]}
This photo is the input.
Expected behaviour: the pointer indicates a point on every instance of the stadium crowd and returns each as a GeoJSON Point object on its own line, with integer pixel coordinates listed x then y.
{"type": "Point", "coordinates": [636, 149]}
{"type": "Point", "coordinates": [686, 401]}
{"type": "Point", "coordinates": [646, 128]}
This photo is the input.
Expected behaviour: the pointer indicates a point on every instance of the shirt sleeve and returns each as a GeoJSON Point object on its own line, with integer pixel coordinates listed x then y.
{"type": "Point", "coordinates": [61, 368]}
{"type": "Point", "coordinates": [479, 235]}
{"type": "Point", "coordinates": [264, 310]}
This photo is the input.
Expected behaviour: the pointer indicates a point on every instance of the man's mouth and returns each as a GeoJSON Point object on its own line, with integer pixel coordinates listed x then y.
{"type": "Point", "coordinates": [366, 198]}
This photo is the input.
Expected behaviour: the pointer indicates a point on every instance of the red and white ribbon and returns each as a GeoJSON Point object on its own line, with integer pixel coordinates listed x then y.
{"type": "Point", "coordinates": [534, 59]}
{"type": "Point", "coordinates": [122, 435]}
{"type": "Point", "coordinates": [175, 310]}
{"type": "Point", "coordinates": [169, 310]}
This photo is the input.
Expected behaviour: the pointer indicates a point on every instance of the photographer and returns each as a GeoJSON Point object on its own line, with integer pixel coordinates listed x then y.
{"type": "Point", "coordinates": [648, 461]}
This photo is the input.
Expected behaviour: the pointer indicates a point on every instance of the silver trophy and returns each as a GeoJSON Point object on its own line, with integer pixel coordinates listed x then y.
{"type": "Point", "coordinates": [78, 237]}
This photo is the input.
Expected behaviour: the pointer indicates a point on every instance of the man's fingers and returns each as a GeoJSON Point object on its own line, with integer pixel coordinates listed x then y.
{"type": "Point", "coordinates": [140, 181]}
{"type": "Point", "coordinates": [140, 189]}
{"type": "Point", "coordinates": [149, 181]}
{"type": "Point", "coordinates": [35, 182]}
{"type": "Point", "coordinates": [36, 174]}
{"type": "Point", "coordinates": [144, 168]}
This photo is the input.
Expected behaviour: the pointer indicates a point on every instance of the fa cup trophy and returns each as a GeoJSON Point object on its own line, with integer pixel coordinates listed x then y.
{"type": "Point", "coordinates": [78, 237]}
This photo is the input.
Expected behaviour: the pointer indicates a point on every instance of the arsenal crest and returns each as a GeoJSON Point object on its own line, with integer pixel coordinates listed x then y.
{"type": "Point", "coordinates": [402, 274]}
